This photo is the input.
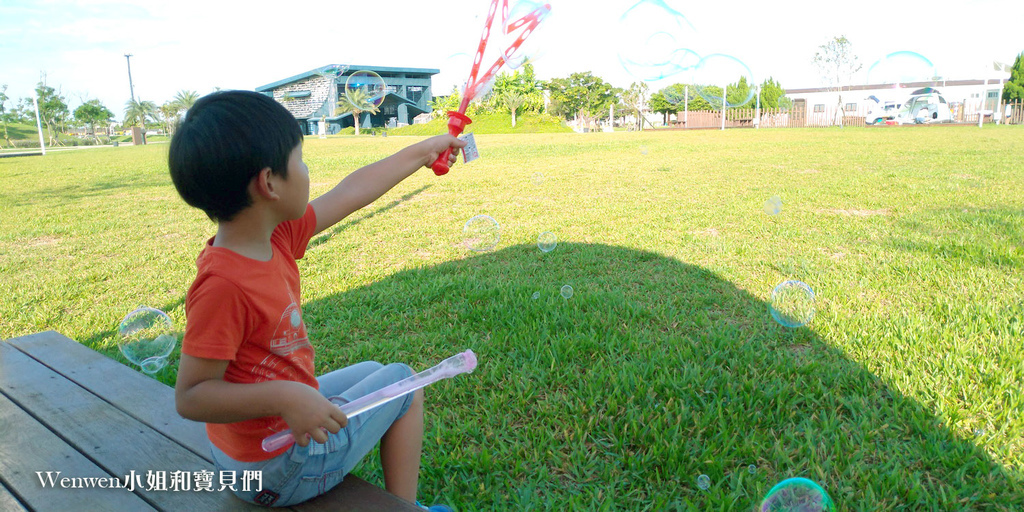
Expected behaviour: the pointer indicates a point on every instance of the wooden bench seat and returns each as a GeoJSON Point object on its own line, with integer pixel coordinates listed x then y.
{"type": "Point", "coordinates": [67, 408]}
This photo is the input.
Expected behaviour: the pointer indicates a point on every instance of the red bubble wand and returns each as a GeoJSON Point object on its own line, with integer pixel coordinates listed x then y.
{"type": "Point", "coordinates": [457, 120]}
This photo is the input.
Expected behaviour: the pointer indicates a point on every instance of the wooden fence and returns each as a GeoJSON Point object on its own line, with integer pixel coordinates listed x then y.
{"type": "Point", "coordinates": [1005, 113]}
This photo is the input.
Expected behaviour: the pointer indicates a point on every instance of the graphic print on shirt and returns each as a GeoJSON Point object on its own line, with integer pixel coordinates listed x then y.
{"type": "Point", "coordinates": [290, 333]}
{"type": "Point", "coordinates": [289, 347]}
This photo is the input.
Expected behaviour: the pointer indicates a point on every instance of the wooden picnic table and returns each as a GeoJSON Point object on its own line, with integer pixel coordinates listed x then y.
{"type": "Point", "coordinates": [66, 408]}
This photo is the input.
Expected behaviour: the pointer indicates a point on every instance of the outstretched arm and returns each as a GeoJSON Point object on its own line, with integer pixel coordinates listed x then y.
{"type": "Point", "coordinates": [366, 184]}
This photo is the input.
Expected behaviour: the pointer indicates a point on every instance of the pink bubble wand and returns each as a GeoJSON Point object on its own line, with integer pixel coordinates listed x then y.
{"type": "Point", "coordinates": [457, 120]}
{"type": "Point", "coordinates": [464, 362]}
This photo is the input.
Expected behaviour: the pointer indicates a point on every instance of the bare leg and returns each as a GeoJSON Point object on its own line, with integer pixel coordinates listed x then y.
{"type": "Point", "coordinates": [400, 450]}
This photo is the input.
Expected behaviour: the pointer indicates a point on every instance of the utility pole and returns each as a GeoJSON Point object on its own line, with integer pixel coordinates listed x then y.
{"type": "Point", "coordinates": [131, 88]}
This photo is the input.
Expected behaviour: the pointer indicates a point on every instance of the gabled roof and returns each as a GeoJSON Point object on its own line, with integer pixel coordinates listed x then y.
{"type": "Point", "coordinates": [351, 67]}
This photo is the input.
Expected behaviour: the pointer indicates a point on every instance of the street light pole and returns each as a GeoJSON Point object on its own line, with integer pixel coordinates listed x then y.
{"type": "Point", "coordinates": [131, 88]}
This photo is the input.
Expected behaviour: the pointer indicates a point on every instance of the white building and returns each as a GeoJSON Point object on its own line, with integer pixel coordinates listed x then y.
{"type": "Point", "coordinates": [818, 106]}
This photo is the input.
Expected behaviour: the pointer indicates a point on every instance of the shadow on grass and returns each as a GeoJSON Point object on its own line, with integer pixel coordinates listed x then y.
{"type": "Point", "coordinates": [652, 373]}
{"type": "Point", "coordinates": [351, 223]}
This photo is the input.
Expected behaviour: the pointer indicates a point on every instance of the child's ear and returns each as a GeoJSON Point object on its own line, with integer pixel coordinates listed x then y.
{"type": "Point", "coordinates": [263, 185]}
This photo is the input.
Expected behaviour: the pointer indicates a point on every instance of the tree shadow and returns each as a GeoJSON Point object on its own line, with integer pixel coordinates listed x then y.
{"type": "Point", "coordinates": [653, 372]}
{"type": "Point", "coordinates": [325, 237]}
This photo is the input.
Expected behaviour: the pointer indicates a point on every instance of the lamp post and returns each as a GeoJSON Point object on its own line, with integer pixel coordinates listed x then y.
{"type": "Point", "coordinates": [131, 88]}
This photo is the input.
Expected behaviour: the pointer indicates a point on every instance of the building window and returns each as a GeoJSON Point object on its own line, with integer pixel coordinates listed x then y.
{"type": "Point", "coordinates": [850, 107]}
{"type": "Point", "coordinates": [820, 107]}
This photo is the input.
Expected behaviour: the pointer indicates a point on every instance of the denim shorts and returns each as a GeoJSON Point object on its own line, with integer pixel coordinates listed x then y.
{"type": "Point", "coordinates": [302, 473]}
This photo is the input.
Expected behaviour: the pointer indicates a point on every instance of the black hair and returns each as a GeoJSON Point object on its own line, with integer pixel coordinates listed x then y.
{"type": "Point", "coordinates": [226, 138]}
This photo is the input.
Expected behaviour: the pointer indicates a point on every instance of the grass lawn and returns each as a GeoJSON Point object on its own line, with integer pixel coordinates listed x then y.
{"type": "Point", "coordinates": [903, 393]}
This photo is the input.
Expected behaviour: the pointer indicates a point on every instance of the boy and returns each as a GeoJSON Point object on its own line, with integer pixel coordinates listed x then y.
{"type": "Point", "coordinates": [246, 365]}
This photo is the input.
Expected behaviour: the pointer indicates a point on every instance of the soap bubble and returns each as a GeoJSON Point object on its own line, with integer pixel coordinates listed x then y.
{"type": "Point", "coordinates": [547, 241]}
{"type": "Point", "coordinates": [901, 67]}
{"type": "Point", "coordinates": [146, 338]}
{"type": "Point", "coordinates": [535, 296]}
{"type": "Point", "coordinates": [792, 303]}
{"type": "Point", "coordinates": [538, 178]}
{"type": "Point", "coordinates": [566, 291]}
{"type": "Point", "coordinates": [643, 150]}
{"type": "Point", "coordinates": [704, 482]}
{"type": "Point", "coordinates": [482, 233]}
{"type": "Point", "coordinates": [656, 34]}
{"type": "Point", "coordinates": [752, 469]}
{"type": "Point", "coordinates": [365, 90]}
{"type": "Point", "coordinates": [719, 70]}
{"type": "Point", "coordinates": [797, 495]}
{"type": "Point", "coordinates": [773, 206]}
{"type": "Point", "coordinates": [332, 70]}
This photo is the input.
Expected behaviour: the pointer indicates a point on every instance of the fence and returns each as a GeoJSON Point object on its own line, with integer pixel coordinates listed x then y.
{"type": "Point", "coordinates": [960, 113]}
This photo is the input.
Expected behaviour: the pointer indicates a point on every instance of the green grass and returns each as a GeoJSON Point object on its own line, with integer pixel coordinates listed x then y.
{"type": "Point", "coordinates": [903, 393]}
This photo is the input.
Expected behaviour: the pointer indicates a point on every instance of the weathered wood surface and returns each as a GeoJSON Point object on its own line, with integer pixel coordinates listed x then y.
{"type": "Point", "coordinates": [67, 408]}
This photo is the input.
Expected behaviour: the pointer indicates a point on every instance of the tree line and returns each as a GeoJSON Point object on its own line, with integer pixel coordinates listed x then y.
{"type": "Point", "coordinates": [588, 98]}
{"type": "Point", "coordinates": [57, 118]}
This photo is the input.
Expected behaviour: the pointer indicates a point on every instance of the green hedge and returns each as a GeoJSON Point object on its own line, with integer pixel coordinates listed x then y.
{"type": "Point", "coordinates": [490, 123]}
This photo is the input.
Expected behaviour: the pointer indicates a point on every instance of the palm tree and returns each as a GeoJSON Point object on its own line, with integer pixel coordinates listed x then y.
{"type": "Point", "coordinates": [512, 101]}
{"type": "Point", "coordinates": [185, 98]}
{"type": "Point", "coordinates": [356, 101]}
{"type": "Point", "coordinates": [138, 111]}
{"type": "Point", "coordinates": [170, 111]}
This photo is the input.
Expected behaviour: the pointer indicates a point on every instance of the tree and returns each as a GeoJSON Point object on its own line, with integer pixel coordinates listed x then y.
{"type": "Point", "coordinates": [440, 105]}
{"type": "Point", "coordinates": [137, 112]}
{"type": "Point", "coordinates": [513, 101]}
{"type": "Point", "coordinates": [837, 64]}
{"type": "Point", "coordinates": [91, 113]}
{"type": "Point", "coordinates": [524, 82]}
{"type": "Point", "coordinates": [52, 109]}
{"type": "Point", "coordinates": [1014, 89]}
{"type": "Point", "coordinates": [581, 95]}
{"type": "Point", "coordinates": [635, 98]}
{"type": "Point", "coordinates": [771, 92]}
{"type": "Point", "coordinates": [185, 99]}
{"type": "Point", "coordinates": [3, 111]}
{"type": "Point", "coordinates": [356, 101]}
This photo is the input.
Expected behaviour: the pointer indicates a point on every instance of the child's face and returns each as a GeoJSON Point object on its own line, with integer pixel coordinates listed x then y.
{"type": "Point", "coordinates": [296, 194]}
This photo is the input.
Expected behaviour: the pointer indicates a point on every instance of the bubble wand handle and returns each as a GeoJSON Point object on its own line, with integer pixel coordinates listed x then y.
{"type": "Point", "coordinates": [457, 120]}
{"type": "Point", "coordinates": [459, 363]}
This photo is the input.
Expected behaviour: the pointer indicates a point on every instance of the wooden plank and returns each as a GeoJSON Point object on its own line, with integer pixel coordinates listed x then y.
{"type": "Point", "coordinates": [122, 386]}
{"type": "Point", "coordinates": [27, 446]}
{"type": "Point", "coordinates": [145, 399]}
{"type": "Point", "coordinates": [110, 438]}
{"type": "Point", "coordinates": [8, 502]}
{"type": "Point", "coordinates": [358, 495]}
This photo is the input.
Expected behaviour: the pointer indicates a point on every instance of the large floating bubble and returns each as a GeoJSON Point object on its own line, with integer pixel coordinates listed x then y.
{"type": "Point", "coordinates": [146, 338]}
{"type": "Point", "coordinates": [717, 71]}
{"type": "Point", "coordinates": [482, 233]}
{"type": "Point", "coordinates": [900, 68]}
{"type": "Point", "coordinates": [797, 495]}
{"type": "Point", "coordinates": [792, 303]}
{"type": "Point", "coordinates": [655, 35]}
{"type": "Point", "coordinates": [365, 90]}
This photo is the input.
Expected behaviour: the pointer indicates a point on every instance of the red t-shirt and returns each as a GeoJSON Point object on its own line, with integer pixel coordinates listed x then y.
{"type": "Point", "coordinates": [248, 313]}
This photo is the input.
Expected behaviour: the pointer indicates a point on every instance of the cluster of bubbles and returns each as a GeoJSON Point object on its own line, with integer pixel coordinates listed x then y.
{"type": "Point", "coordinates": [792, 301]}
{"type": "Point", "coordinates": [146, 338]}
{"type": "Point", "coordinates": [790, 495]}
{"type": "Point", "coordinates": [666, 51]}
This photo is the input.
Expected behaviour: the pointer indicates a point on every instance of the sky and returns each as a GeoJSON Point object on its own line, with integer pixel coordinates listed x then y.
{"type": "Point", "coordinates": [79, 46]}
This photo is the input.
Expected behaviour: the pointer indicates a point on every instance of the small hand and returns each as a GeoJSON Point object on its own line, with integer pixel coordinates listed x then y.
{"type": "Point", "coordinates": [310, 415]}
